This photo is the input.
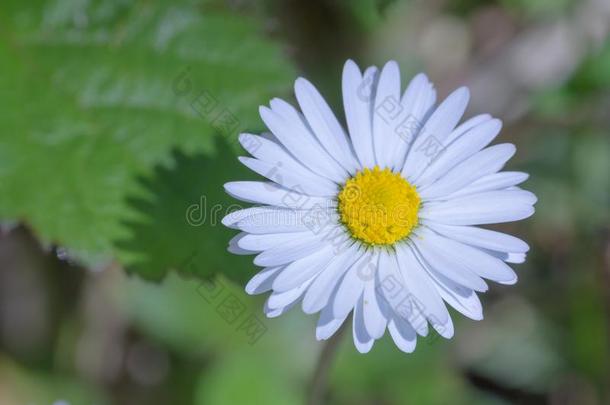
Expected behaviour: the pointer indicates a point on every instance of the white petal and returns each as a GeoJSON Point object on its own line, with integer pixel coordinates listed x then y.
{"type": "Point", "coordinates": [468, 306]}
{"type": "Point", "coordinates": [291, 179]}
{"type": "Point", "coordinates": [324, 125]}
{"type": "Point", "coordinates": [358, 98]}
{"type": "Point", "coordinates": [469, 258]}
{"type": "Point", "coordinates": [374, 319]}
{"type": "Point", "coordinates": [235, 248]}
{"type": "Point", "coordinates": [289, 251]}
{"type": "Point", "coordinates": [283, 299]}
{"type": "Point", "coordinates": [480, 237]}
{"type": "Point", "coordinates": [391, 282]}
{"type": "Point", "coordinates": [420, 287]}
{"type": "Point", "coordinates": [485, 162]}
{"type": "Point", "coordinates": [352, 285]}
{"type": "Point", "coordinates": [277, 221]}
{"type": "Point", "coordinates": [362, 340]}
{"type": "Point", "coordinates": [460, 298]}
{"type": "Point", "coordinates": [231, 219]}
{"type": "Point", "coordinates": [328, 324]}
{"type": "Point", "coordinates": [417, 101]}
{"type": "Point", "coordinates": [418, 322]}
{"type": "Point", "coordinates": [272, 194]}
{"type": "Point", "coordinates": [491, 182]}
{"type": "Point", "coordinates": [431, 140]}
{"type": "Point", "coordinates": [303, 269]}
{"type": "Point", "coordinates": [275, 312]}
{"type": "Point", "coordinates": [467, 126]}
{"type": "Point", "coordinates": [263, 280]}
{"type": "Point", "coordinates": [473, 141]}
{"type": "Point", "coordinates": [418, 98]}
{"type": "Point", "coordinates": [258, 243]}
{"type": "Point", "coordinates": [403, 334]}
{"type": "Point", "coordinates": [508, 257]}
{"type": "Point", "coordinates": [288, 127]}
{"type": "Point", "coordinates": [393, 289]}
{"type": "Point", "coordinates": [515, 258]}
{"type": "Point", "coordinates": [446, 329]}
{"type": "Point", "coordinates": [318, 294]}
{"type": "Point", "coordinates": [437, 260]}
{"type": "Point", "coordinates": [272, 152]}
{"type": "Point", "coordinates": [386, 115]}
{"type": "Point", "coordinates": [484, 208]}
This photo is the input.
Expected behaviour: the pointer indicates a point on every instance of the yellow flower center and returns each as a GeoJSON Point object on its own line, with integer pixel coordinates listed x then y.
{"type": "Point", "coordinates": [378, 207]}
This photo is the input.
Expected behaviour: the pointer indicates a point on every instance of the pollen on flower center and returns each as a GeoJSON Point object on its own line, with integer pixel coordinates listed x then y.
{"type": "Point", "coordinates": [378, 207]}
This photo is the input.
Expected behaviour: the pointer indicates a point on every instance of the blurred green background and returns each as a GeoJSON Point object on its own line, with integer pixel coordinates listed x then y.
{"type": "Point", "coordinates": [118, 125]}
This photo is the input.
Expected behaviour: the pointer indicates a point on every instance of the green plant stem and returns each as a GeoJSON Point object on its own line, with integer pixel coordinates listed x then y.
{"type": "Point", "coordinates": [319, 382]}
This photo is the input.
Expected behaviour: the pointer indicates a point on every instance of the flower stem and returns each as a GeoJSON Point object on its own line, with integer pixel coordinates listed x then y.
{"type": "Point", "coordinates": [319, 383]}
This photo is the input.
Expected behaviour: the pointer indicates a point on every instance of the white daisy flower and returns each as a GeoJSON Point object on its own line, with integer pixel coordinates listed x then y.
{"type": "Point", "coordinates": [379, 221]}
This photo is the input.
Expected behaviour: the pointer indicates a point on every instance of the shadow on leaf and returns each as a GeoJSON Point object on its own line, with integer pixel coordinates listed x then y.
{"type": "Point", "coordinates": [177, 223]}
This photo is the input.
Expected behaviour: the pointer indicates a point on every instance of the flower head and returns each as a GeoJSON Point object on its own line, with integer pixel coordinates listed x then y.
{"type": "Point", "coordinates": [382, 220]}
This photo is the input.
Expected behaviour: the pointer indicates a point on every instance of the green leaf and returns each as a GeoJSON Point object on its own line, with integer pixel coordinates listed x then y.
{"type": "Point", "coordinates": [95, 94]}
